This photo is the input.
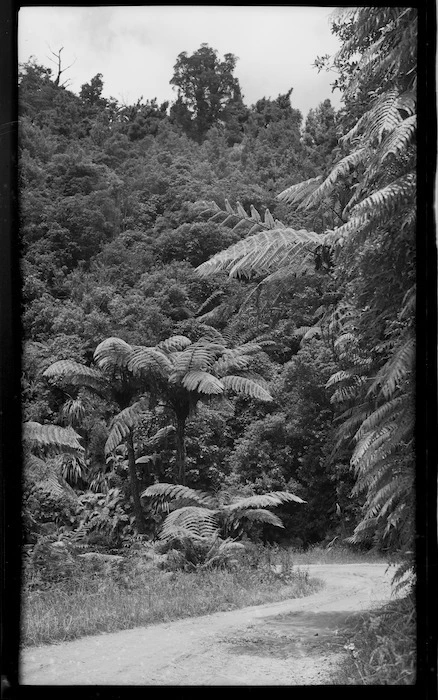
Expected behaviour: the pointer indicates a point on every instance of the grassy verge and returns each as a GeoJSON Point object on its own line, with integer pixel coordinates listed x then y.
{"type": "Point", "coordinates": [89, 602]}
{"type": "Point", "coordinates": [338, 554]}
{"type": "Point", "coordinates": [382, 647]}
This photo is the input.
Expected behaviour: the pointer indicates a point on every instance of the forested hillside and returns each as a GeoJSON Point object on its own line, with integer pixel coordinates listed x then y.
{"type": "Point", "coordinates": [220, 296]}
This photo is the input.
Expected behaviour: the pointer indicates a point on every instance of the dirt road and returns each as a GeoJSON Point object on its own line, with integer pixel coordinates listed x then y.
{"type": "Point", "coordinates": [293, 642]}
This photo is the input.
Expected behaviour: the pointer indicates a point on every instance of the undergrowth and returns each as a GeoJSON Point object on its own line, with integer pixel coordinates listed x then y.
{"type": "Point", "coordinates": [382, 647]}
{"type": "Point", "coordinates": [86, 599]}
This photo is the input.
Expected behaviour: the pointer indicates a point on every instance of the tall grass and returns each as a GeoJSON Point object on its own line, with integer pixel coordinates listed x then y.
{"type": "Point", "coordinates": [337, 554]}
{"type": "Point", "coordinates": [89, 602]}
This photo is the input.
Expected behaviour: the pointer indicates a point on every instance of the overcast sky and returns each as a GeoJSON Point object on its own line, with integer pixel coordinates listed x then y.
{"type": "Point", "coordinates": [135, 48]}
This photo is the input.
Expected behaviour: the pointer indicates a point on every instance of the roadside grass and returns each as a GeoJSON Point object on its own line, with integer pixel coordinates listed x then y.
{"type": "Point", "coordinates": [336, 554]}
{"type": "Point", "coordinates": [132, 594]}
{"type": "Point", "coordinates": [381, 646]}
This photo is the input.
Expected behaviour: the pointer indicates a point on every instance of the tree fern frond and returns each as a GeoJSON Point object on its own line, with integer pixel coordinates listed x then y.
{"type": "Point", "coordinates": [75, 374]}
{"type": "Point", "coordinates": [175, 342]}
{"type": "Point", "coordinates": [388, 411]}
{"type": "Point", "coordinates": [251, 254]}
{"type": "Point", "coordinates": [123, 423]}
{"type": "Point", "coordinates": [169, 492]}
{"type": "Point", "coordinates": [217, 294]}
{"type": "Point", "coordinates": [296, 193]}
{"type": "Point", "coordinates": [201, 522]}
{"type": "Point", "coordinates": [202, 382]}
{"type": "Point", "coordinates": [339, 376]}
{"type": "Point", "coordinates": [160, 435]}
{"type": "Point", "coordinates": [197, 356]}
{"type": "Point", "coordinates": [230, 363]}
{"type": "Point", "coordinates": [395, 370]}
{"type": "Point", "coordinates": [243, 385]}
{"type": "Point", "coordinates": [51, 437]}
{"type": "Point", "coordinates": [112, 353]}
{"type": "Point", "coordinates": [266, 500]}
{"type": "Point", "coordinates": [340, 170]}
{"type": "Point", "coordinates": [398, 141]}
{"type": "Point", "coordinates": [144, 361]}
{"type": "Point", "coordinates": [385, 202]}
{"type": "Point", "coordinates": [261, 515]}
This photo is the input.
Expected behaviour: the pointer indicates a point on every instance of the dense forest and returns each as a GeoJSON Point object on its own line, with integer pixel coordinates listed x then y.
{"type": "Point", "coordinates": [218, 298]}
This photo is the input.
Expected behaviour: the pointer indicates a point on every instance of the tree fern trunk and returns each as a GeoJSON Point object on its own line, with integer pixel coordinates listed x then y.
{"type": "Point", "coordinates": [135, 491]}
{"type": "Point", "coordinates": [181, 451]}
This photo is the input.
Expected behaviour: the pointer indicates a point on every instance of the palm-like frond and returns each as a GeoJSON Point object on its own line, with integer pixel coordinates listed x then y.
{"type": "Point", "coordinates": [260, 515]}
{"type": "Point", "coordinates": [263, 253]}
{"type": "Point", "coordinates": [51, 437]}
{"type": "Point", "coordinates": [197, 356]}
{"type": "Point", "coordinates": [198, 521]}
{"type": "Point", "coordinates": [244, 385]}
{"type": "Point", "coordinates": [386, 201]}
{"type": "Point", "coordinates": [340, 170]}
{"type": "Point", "coordinates": [144, 361]}
{"type": "Point", "coordinates": [112, 353]}
{"type": "Point", "coordinates": [123, 423]}
{"type": "Point", "coordinates": [399, 139]}
{"type": "Point", "coordinates": [169, 492]}
{"type": "Point", "coordinates": [265, 500]}
{"type": "Point", "coordinates": [202, 382]}
{"type": "Point", "coordinates": [175, 342]}
{"type": "Point", "coordinates": [296, 193]}
{"type": "Point", "coordinates": [395, 370]}
{"type": "Point", "coordinates": [160, 435]}
{"type": "Point", "coordinates": [75, 374]}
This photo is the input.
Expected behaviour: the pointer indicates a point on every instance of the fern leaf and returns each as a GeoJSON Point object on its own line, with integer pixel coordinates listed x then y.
{"type": "Point", "coordinates": [112, 353]}
{"type": "Point", "coordinates": [254, 213]}
{"type": "Point", "coordinates": [198, 356]}
{"type": "Point", "coordinates": [265, 500]}
{"type": "Point", "coordinates": [176, 342]}
{"type": "Point", "coordinates": [196, 520]}
{"type": "Point", "coordinates": [240, 210]}
{"type": "Point", "coordinates": [341, 169]}
{"type": "Point", "coordinates": [296, 193]}
{"type": "Point", "coordinates": [388, 200]}
{"type": "Point", "coordinates": [261, 515]}
{"type": "Point", "coordinates": [395, 370]}
{"type": "Point", "coordinates": [123, 423]}
{"type": "Point", "coordinates": [398, 141]}
{"type": "Point", "coordinates": [269, 219]}
{"type": "Point", "coordinates": [51, 437]}
{"type": "Point", "coordinates": [243, 385]}
{"type": "Point", "coordinates": [75, 374]}
{"type": "Point", "coordinates": [169, 492]}
{"type": "Point", "coordinates": [261, 253]}
{"type": "Point", "coordinates": [144, 361]}
{"type": "Point", "coordinates": [160, 435]}
{"type": "Point", "coordinates": [203, 382]}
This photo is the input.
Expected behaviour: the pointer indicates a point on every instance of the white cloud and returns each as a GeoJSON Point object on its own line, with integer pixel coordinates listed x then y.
{"type": "Point", "coordinates": [135, 48]}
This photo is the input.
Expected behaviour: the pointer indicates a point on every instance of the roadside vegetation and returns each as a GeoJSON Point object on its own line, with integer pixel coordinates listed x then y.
{"type": "Point", "coordinates": [381, 647]}
{"type": "Point", "coordinates": [76, 597]}
{"type": "Point", "coordinates": [219, 341]}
